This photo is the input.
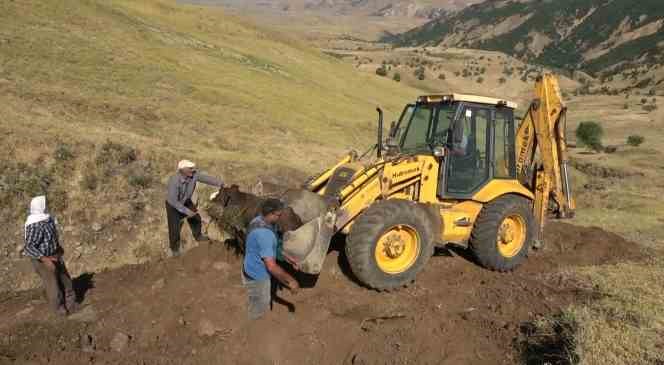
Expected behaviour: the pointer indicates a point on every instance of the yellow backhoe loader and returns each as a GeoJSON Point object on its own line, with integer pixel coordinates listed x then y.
{"type": "Point", "coordinates": [454, 169]}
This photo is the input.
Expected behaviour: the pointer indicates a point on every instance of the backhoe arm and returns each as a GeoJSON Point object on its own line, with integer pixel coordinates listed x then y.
{"type": "Point", "coordinates": [541, 150]}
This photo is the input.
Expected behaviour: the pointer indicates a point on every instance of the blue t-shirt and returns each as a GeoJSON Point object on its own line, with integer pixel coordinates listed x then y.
{"type": "Point", "coordinates": [261, 243]}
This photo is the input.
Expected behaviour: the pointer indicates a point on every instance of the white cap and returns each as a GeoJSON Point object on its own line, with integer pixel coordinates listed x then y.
{"type": "Point", "coordinates": [186, 164]}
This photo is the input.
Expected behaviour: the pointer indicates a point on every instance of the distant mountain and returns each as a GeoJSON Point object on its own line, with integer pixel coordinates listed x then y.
{"type": "Point", "coordinates": [598, 36]}
{"type": "Point", "coordinates": [429, 9]}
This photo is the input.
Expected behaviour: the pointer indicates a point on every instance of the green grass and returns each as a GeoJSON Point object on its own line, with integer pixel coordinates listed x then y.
{"type": "Point", "coordinates": [174, 76]}
{"type": "Point", "coordinates": [162, 82]}
{"type": "Point", "coordinates": [626, 325]}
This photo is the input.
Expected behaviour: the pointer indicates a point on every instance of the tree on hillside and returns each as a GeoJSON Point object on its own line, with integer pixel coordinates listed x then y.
{"type": "Point", "coordinates": [590, 134]}
{"type": "Point", "coordinates": [396, 77]}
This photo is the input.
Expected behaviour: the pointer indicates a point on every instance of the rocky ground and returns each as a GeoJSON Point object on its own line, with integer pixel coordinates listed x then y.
{"type": "Point", "coordinates": [191, 310]}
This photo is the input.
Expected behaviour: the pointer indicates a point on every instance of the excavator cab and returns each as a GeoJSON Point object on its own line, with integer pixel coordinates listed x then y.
{"type": "Point", "coordinates": [476, 136]}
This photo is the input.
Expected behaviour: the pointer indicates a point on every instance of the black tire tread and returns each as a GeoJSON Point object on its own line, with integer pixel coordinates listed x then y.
{"type": "Point", "coordinates": [368, 227]}
{"type": "Point", "coordinates": [483, 237]}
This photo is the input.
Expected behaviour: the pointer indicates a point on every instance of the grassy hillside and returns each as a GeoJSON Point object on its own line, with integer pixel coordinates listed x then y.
{"type": "Point", "coordinates": [593, 34]}
{"type": "Point", "coordinates": [101, 98]}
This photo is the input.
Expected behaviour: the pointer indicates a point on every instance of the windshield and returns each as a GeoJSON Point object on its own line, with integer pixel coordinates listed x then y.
{"type": "Point", "coordinates": [424, 125]}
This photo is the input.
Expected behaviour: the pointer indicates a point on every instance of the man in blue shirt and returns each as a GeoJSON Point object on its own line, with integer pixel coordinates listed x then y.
{"type": "Point", "coordinates": [260, 263]}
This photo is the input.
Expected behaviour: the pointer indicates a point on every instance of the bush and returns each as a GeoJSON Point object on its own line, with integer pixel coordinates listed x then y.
{"type": "Point", "coordinates": [590, 134]}
{"type": "Point", "coordinates": [649, 108]}
{"type": "Point", "coordinates": [502, 80]}
{"type": "Point", "coordinates": [20, 182]}
{"type": "Point", "coordinates": [644, 100]}
{"type": "Point", "coordinates": [90, 181]}
{"type": "Point", "coordinates": [396, 77]}
{"type": "Point", "coordinates": [139, 179]}
{"type": "Point", "coordinates": [441, 76]}
{"type": "Point", "coordinates": [381, 71]}
{"type": "Point", "coordinates": [626, 106]}
{"type": "Point", "coordinates": [480, 80]}
{"type": "Point", "coordinates": [63, 152]}
{"type": "Point", "coordinates": [116, 153]}
{"type": "Point", "coordinates": [635, 140]}
{"type": "Point", "coordinates": [610, 149]}
{"type": "Point", "coordinates": [419, 73]}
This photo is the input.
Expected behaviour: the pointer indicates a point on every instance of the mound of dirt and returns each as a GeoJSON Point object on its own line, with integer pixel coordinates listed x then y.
{"type": "Point", "coordinates": [604, 172]}
{"type": "Point", "coordinates": [191, 310]}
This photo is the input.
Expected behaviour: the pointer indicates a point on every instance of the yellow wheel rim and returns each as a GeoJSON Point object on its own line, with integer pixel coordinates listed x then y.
{"type": "Point", "coordinates": [397, 249]}
{"type": "Point", "coordinates": [511, 236]}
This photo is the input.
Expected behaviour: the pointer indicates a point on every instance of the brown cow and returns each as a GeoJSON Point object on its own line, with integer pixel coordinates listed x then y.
{"type": "Point", "coordinates": [233, 210]}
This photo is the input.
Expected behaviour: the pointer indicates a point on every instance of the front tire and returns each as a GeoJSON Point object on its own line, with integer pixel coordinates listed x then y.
{"type": "Point", "coordinates": [390, 243]}
{"type": "Point", "coordinates": [503, 233]}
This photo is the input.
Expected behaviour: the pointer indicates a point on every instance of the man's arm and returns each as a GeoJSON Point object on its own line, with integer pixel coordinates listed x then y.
{"type": "Point", "coordinates": [281, 274]}
{"type": "Point", "coordinates": [172, 197]}
{"type": "Point", "coordinates": [268, 252]}
{"type": "Point", "coordinates": [210, 180]}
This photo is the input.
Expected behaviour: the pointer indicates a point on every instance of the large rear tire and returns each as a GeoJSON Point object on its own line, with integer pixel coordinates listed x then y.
{"type": "Point", "coordinates": [503, 233]}
{"type": "Point", "coordinates": [390, 243]}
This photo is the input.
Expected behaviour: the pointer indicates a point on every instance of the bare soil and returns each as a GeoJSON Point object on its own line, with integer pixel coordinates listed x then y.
{"type": "Point", "coordinates": [191, 310]}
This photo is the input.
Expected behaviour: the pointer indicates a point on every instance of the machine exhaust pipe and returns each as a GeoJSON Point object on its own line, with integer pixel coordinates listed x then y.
{"type": "Point", "coordinates": [379, 146]}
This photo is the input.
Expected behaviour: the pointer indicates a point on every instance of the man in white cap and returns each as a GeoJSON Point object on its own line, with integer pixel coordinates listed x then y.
{"type": "Point", "coordinates": [179, 205]}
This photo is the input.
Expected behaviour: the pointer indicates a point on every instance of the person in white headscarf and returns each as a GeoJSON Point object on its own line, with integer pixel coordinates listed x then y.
{"type": "Point", "coordinates": [180, 205]}
{"type": "Point", "coordinates": [43, 248]}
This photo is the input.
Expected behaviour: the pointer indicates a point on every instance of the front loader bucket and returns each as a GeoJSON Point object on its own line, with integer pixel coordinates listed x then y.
{"type": "Point", "coordinates": [308, 245]}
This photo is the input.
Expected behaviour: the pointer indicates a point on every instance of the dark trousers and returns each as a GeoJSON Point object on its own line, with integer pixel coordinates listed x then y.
{"type": "Point", "coordinates": [57, 283]}
{"type": "Point", "coordinates": [175, 225]}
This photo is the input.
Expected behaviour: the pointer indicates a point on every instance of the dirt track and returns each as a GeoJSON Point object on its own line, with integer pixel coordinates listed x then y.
{"type": "Point", "coordinates": [191, 310]}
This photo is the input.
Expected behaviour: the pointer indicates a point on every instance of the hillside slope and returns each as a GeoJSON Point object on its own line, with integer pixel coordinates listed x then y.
{"type": "Point", "coordinates": [101, 98]}
{"type": "Point", "coordinates": [594, 35]}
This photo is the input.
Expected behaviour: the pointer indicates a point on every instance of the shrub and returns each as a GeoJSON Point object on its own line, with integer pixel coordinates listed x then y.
{"type": "Point", "coordinates": [649, 108]}
{"type": "Point", "coordinates": [116, 153]}
{"type": "Point", "coordinates": [480, 80]}
{"type": "Point", "coordinates": [63, 152]}
{"type": "Point", "coordinates": [626, 106]}
{"type": "Point", "coordinates": [502, 80]}
{"type": "Point", "coordinates": [22, 181]}
{"type": "Point", "coordinates": [635, 140]}
{"type": "Point", "coordinates": [89, 181]}
{"type": "Point", "coordinates": [396, 77]}
{"type": "Point", "coordinates": [441, 76]}
{"type": "Point", "coordinates": [139, 179]}
{"type": "Point", "coordinates": [610, 149]}
{"type": "Point", "coordinates": [419, 73]}
{"type": "Point", "coordinates": [457, 73]}
{"type": "Point", "coordinates": [644, 100]}
{"type": "Point", "coordinates": [590, 134]}
{"type": "Point", "coordinates": [381, 71]}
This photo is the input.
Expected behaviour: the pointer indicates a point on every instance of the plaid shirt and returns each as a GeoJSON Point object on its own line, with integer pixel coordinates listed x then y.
{"type": "Point", "coordinates": [41, 239]}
